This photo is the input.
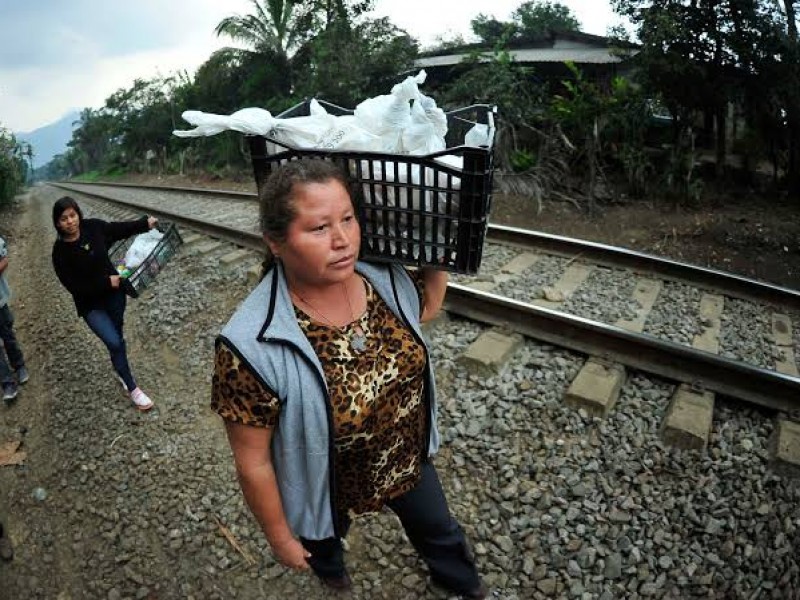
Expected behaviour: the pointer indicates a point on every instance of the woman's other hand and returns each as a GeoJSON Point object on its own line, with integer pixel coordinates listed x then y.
{"type": "Point", "coordinates": [114, 281]}
{"type": "Point", "coordinates": [152, 222]}
{"type": "Point", "coordinates": [292, 554]}
{"type": "Point", "coordinates": [252, 453]}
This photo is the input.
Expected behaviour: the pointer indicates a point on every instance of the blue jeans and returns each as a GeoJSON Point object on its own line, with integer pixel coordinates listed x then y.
{"type": "Point", "coordinates": [434, 533]}
{"type": "Point", "coordinates": [11, 359]}
{"type": "Point", "coordinates": [106, 323]}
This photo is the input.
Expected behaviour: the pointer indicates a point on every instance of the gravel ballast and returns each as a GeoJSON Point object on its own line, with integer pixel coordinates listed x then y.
{"type": "Point", "coordinates": [556, 503]}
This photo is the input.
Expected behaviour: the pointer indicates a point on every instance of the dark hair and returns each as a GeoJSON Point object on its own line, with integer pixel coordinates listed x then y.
{"type": "Point", "coordinates": [276, 197]}
{"type": "Point", "coordinates": [60, 206]}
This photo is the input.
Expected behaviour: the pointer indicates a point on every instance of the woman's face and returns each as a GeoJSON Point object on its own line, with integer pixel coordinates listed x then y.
{"type": "Point", "coordinates": [69, 223]}
{"type": "Point", "coordinates": [323, 240]}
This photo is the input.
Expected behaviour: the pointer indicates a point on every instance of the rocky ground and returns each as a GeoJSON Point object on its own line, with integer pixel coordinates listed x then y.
{"type": "Point", "coordinates": [111, 503]}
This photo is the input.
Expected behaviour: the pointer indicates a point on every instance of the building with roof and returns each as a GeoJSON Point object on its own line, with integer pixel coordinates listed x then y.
{"type": "Point", "coordinates": [599, 58]}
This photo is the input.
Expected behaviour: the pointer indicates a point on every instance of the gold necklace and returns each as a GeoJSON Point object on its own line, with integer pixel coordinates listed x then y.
{"type": "Point", "coordinates": [358, 339]}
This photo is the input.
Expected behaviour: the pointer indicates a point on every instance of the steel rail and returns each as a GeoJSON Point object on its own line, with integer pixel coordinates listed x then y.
{"type": "Point", "coordinates": [236, 236]}
{"type": "Point", "coordinates": [728, 284]}
{"type": "Point", "coordinates": [232, 194]}
{"type": "Point", "coordinates": [673, 361]}
{"type": "Point", "coordinates": [640, 351]}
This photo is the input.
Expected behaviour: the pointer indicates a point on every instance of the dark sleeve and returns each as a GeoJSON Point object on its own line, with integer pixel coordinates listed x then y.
{"type": "Point", "coordinates": [237, 393]}
{"type": "Point", "coordinates": [78, 283]}
{"type": "Point", "coordinates": [119, 230]}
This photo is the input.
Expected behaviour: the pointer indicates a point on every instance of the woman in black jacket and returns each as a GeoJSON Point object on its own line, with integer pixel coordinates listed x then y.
{"type": "Point", "coordinates": [82, 264]}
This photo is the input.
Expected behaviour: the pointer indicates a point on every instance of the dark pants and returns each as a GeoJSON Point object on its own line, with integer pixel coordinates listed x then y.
{"type": "Point", "coordinates": [106, 323]}
{"type": "Point", "coordinates": [12, 359]}
{"type": "Point", "coordinates": [435, 534]}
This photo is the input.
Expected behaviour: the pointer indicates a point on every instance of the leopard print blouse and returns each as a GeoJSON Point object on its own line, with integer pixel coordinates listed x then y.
{"type": "Point", "coordinates": [379, 415]}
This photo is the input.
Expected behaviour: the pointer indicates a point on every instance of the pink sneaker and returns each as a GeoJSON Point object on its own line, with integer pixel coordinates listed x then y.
{"type": "Point", "coordinates": [141, 400]}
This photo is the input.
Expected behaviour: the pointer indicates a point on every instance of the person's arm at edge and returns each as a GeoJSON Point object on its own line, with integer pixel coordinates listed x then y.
{"type": "Point", "coordinates": [435, 289]}
{"type": "Point", "coordinates": [3, 264]}
{"type": "Point", "coordinates": [253, 457]}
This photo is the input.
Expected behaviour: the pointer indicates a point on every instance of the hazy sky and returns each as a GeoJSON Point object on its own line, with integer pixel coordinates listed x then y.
{"type": "Point", "coordinates": [57, 55]}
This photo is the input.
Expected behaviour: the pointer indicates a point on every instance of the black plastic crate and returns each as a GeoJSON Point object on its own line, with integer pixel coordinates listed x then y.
{"type": "Point", "coordinates": [146, 272]}
{"type": "Point", "coordinates": [412, 209]}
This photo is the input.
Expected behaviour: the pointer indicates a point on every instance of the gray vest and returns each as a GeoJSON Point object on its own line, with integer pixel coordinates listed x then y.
{"type": "Point", "coordinates": [264, 333]}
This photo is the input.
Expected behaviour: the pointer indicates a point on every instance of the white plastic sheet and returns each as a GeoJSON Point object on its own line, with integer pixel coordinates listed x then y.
{"type": "Point", "coordinates": [141, 247]}
{"type": "Point", "coordinates": [405, 121]}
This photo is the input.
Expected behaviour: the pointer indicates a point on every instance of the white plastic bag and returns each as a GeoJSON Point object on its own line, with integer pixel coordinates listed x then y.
{"type": "Point", "coordinates": [434, 114]}
{"type": "Point", "coordinates": [253, 121]}
{"type": "Point", "coordinates": [421, 135]}
{"type": "Point", "coordinates": [404, 121]}
{"type": "Point", "coordinates": [303, 132]}
{"type": "Point", "coordinates": [430, 199]}
{"type": "Point", "coordinates": [391, 189]}
{"type": "Point", "coordinates": [141, 247]}
{"type": "Point", "coordinates": [347, 134]}
{"type": "Point", "coordinates": [388, 116]}
{"type": "Point", "coordinates": [320, 130]}
{"type": "Point", "coordinates": [477, 136]}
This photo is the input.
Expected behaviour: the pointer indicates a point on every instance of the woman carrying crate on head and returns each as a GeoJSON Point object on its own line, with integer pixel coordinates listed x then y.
{"type": "Point", "coordinates": [82, 264]}
{"type": "Point", "coordinates": [324, 382]}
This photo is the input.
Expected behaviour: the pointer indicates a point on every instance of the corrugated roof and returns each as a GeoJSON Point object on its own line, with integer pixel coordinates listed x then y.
{"type": "Point", "coordinates": [534, 55]}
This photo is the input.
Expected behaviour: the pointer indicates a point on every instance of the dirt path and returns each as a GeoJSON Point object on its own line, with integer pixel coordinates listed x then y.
{"type": "Point", "coordinates": [39, 317]}
{"type": "Point", "coordinates": [119, 485]}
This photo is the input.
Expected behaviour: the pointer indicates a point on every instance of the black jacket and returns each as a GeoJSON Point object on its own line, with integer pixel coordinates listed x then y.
{"type": "Point", "coordinates": [83, 266]}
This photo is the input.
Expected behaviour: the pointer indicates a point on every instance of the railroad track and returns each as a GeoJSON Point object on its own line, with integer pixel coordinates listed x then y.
{"type": "Point", "coordinates": [615, 305]}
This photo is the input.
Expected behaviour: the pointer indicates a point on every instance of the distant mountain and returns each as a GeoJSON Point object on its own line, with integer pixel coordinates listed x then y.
{"type": "Point", "coordinates": [51, 139]}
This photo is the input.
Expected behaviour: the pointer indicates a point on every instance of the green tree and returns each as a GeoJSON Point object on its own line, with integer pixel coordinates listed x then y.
{"type": "Point", "coordinates": [218, 83]}
{"type": "Point", "coordinates": [491, 31]}
{"type": "Point", "coordinates": [537, 17]}
{"type": "Point", "coordinates": [530, 21]}
{"type": "Point", "coordinates": [272, 28]}
{"type": "Point", "coordinates": [275, 30]}
{"type": "Point", "coordinates": [347, 63]}
{"type": "Point", "coordinates": [319, 15]}
{"type": "Point", "coordinates": [583, 112]}
{"type": "Point", "coordinates": [143, 118]}
{"type": "Point", "coordinates": [13, 168]}
{"type": "Point", "coordinates": [92, 139]}
{"type": "Point", "coordinates": [60, 167]}
{"type": "Point", "coordinates": [704, 56]}
{"type": "Point", "coordinates": [526, 142]}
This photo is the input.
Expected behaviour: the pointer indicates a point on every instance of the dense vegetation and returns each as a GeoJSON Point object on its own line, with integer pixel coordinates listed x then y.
{"type": "Point", "coordinates": [724, 75]}
{"type": "Point", "coordinates": [14, 165]}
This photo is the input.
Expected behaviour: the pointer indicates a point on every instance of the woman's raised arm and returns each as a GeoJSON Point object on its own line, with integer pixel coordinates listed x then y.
{"type": "Point", "coordinates": [435, 289]}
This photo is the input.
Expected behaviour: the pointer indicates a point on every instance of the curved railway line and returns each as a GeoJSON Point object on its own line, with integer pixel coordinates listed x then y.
{"type": "Point", "coordinates": [510, 294]}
